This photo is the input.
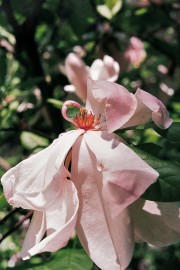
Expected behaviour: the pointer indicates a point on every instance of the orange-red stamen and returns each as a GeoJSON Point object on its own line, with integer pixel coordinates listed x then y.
{"type": "Point", "coordinates": [85, 120]}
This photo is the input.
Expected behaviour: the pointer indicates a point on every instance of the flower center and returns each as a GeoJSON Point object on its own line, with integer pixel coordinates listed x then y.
{"type": "Point", "coordinates": [83, 120]}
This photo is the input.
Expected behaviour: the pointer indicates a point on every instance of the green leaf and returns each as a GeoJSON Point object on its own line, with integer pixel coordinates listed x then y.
{"type": "Point", "coordinates": [109, 8]}
{"type": "Point", "coordinates": [80, 11]}
{"type": "Point", "coordinates": [30, 141]}
{"type": "Point", "coordinates": [56, 103]}
{"type": "Point", "coordinates": [167, 186]}
{"type": "Point", "coordinates": [169, 49]}
{"type": "Point", "coordinates": [172, 133]}
{"type": "Point", "coordinates": [112, 3]}
{"type": "Point", "coordinates": [104, 11]}
{"type": "Point", "coordinates": [65, 259]}
{"type": "Point", "coordinates": [3, 202]}
{"type": "Point", "coordinates": [117, 6]}
{"type": "Point", "coordinates": [141, 11]}
{"type": "Point", "coordinates": [151, 148]}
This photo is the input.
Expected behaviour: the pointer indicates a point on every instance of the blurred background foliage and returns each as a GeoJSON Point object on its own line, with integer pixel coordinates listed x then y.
{"type": "Point", "coordinates": [35, 38]}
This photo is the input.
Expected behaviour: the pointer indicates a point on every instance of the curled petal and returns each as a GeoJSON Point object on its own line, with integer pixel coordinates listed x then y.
{"type": "Point", "coordinates": [106, 69]}
{"type": "Point", "coordinates": [35, 233]}
{"type": "Point", "coordinates": [41, 183]}
{"type": "Point", "coordinates": [159, 112]}
{"type": "Point", "coordinates": [31, 183]}
{"type": "Point", "coordinates": [64, 109]}
{"type": "Point", "coordinates": [108, 241]}
{"type": "Point", "coordinates": [118, 103]}
{"type": "Point", "coordinates": [58, 222]}
{"type": "Point", "coordinates": [77, 74]}
{"type": "Point", "coordinates": [125, 175]}
{"type": "Point", "coordinates": [149, 107]}
{"type": "Point", "coordinates": [156, 223]}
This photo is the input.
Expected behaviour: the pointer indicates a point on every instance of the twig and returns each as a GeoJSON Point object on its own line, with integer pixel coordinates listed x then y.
{"type": "Point", "coordinates": [17, 225]}
{"type": "Point", "coordinates": [3, 220]}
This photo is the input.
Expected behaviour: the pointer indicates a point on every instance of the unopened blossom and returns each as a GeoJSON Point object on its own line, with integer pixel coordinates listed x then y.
{"type": "Point", "coordinates": [135, 53]}
{"type": "Point", "coordinates": [88, 179]}
{"type": "Point", "coordinates": [77, 73]}
{"type": "Point", "coordinates": [132, 56]}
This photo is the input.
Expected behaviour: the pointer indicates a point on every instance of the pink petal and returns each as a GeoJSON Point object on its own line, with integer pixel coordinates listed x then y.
{"type": "Point", "coordinates": [141, 116]}
{"type": "Point", "coordinates": [41, 183]}
{"type": "Point", "coordinates": [95, 69]}
{"type": "Point", "coordinates": [35, 233]}
{"type": "Point", "coordinates": [30, 184]}
{"type": "Point", "coordinates": [135, 52]}
{"type": "Point", "coordinates": [156, 223]}
{"type": "Point", "coordinates": [94, 106]}
{"type": "Point", "coordinates": [111, 68]}
{"type": "Point", "coordinates": [106, 69]}
{"type": "Point", "coordinates": [125, 175]}
{"type": "Point", "coordinates": [118, 103]}
{"type": "Point", "coordinates": [149, 107]}
{"type": "Point", "coordinates": [159, 112]}
{"type": "Point", "coordinates": [58, 222]}
{"type": "Point", "coordinates": [65, 107]}
{"type": "Point", "coordinates": [107, 240]}
{"type": "Point", "coordinates": [77, 74]}
{"type": "Point", "coordinates": [136, 44]}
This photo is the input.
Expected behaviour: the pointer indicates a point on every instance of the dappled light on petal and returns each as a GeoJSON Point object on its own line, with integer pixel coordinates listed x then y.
{"type": "Point", "coordinates": [107, 240]}
{"type": "Point", "coordinates": [125, 175]}
{"type": "Point", "coordinates": [106, 69]}
{"type": "Point", "coordinates": [160, 114]}
{"type": "Point", "coordinates": [77, 74]}
{"type": "Point", "coordinates": [157, 223]}
{"type": "Point", "coordinates": [119, 104]}
{"type": "Point", "coordinates": [58, 222]}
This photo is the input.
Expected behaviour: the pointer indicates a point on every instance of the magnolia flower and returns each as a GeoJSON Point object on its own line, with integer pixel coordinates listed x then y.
{"type": "Point", "coordinates": [77, 73]}
{"type": "Point", "coordinates": [90, 180]}
{"type": "Point", "coordinates": [134, 54]}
